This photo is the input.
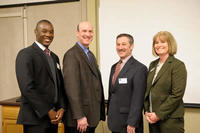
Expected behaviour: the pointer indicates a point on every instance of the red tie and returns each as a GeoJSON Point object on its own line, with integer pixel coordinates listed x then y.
{"type": "Point", "coordinates": [47, 51]}
{"type": "Point", "coordinates": [117, 70]}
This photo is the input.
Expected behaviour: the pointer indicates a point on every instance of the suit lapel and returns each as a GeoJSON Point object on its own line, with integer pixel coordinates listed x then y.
{"type": "Point", "coordinates": [151, 73]}
{"type": "Point", "coordinates": [123, 71]}
{"type": "Point", "coordinates": [111, 78]}
{"type": "Point", "coordinates": [43, 57]}
{"type": "Point", "coordinates": [87, 61]}
{"type": "Point", "coordinates": [128, 64]}
{"type": "Point", "coordinates": [160, 73]}
{"type": "Point", "coordinates": [163, 68]}
{"type": "Point", "coordinates": [55, 64]}
{"type": "Point", "coordinates": [152, 70]}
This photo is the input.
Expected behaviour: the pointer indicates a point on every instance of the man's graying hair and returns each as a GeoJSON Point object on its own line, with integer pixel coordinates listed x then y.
{"type": "Point", "coordinates": [131, 40]}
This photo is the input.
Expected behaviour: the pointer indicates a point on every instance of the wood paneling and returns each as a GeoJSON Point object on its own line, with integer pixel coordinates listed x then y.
{"type": "Point", "coordinates": [11, 33]}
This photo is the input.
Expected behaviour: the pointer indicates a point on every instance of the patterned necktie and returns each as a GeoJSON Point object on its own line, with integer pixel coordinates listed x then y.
{"type": "Point", "coordinates": [47, 51]}
{"type": "Point", "coordinates": [117, 70]}
{"type": "Point", "coordinates": [92, 61]}
{"type": "Point", "coordinates": [91, 57]}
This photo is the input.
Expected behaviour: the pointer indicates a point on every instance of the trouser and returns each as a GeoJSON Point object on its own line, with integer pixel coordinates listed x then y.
{"type": "Point", "coordinates": [42, 128]}
{"type": "Point", "coordinates": [74, 130]}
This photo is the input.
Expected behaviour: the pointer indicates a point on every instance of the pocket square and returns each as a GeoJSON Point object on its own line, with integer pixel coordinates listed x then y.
{"type": "Point", "coordinates": [58, 66]}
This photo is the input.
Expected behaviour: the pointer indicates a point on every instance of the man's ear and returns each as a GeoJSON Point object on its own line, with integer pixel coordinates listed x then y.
{"type": "Point", "coordinates": [35, 31]}
{"type": "Point", "coordinates": [132, 46]}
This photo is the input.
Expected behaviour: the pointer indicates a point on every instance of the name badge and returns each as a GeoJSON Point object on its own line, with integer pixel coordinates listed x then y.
{"type": "Point", "coordinates": [122, 80]}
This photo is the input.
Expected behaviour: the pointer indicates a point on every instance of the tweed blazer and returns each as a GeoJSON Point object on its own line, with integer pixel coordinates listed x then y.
{"type": "Point", "coordinates": [84, 88]}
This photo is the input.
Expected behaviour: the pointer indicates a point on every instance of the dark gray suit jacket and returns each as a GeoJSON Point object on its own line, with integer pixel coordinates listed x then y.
{"type": "Point", "coordinates": [83, 88]}
{"type": "Point", "coordinates": [125, 102]}
{"type": "Point", "coordinates": [37, 86]}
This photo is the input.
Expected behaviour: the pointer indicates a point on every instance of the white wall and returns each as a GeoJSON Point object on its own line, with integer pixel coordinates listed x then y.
{"type": "Point", "coordinates": [143, 19]}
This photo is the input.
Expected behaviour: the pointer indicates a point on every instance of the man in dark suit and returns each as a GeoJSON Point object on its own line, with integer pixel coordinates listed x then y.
{"type": "Point", "coordinates": [41, 84]}
{"type": "Point", "coordinates": [126, 89]}
{"type": "Point", "coordinates": [83, 85]}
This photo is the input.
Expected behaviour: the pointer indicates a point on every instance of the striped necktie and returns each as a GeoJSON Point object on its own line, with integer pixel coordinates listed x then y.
{"type": "Point", "coordinates": [47, 51]}
{"type": "Point", "coordinates": [117, 70]}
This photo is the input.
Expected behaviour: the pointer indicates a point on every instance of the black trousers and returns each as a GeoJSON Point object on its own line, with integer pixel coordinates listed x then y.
{"type": "Point", "coordinates": [119, 132]}
{"type": "Point", "coordinates": [74, 130]}
{"type": "Point", "coordinates": [43, 128]}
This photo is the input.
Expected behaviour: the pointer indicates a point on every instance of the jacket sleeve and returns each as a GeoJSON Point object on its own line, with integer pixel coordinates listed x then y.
{"type": "Point", "coordinates": [71, 72]}
{"type": "Point", "coordinates": [179, 76]}
{"type": "Point", "coordinates": [137, 99]}
{"type": "Point", "coordinates": [109, 89]}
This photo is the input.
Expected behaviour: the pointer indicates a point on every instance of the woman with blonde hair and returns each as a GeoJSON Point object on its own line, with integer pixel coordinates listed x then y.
{"type": "Point", "coordinates": [166, 82]}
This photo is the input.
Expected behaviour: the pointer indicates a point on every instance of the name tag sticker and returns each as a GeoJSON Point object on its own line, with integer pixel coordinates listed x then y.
{"type": "Point", "coordinates": [122, 80]}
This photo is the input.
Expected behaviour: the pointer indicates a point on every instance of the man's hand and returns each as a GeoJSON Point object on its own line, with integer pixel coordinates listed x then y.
{"type": "Point", "coordinates": [59, 115]}
{"type": "Point", "coordinates": [130, 129]}
{"type": "Point", "coordinates": [52, 115]}
{"type": "Point", "coordinates": [82, 124]}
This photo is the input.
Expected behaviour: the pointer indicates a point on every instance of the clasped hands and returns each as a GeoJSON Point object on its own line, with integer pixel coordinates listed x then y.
{"type": "Point", "coordinates": [151, 117]}
{"type": "Point", "coordinates": [56, 117]}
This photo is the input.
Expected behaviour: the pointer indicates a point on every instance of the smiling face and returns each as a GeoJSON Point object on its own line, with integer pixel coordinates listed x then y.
{"type": "Point", "coordinates": [123, 47]}
{"type": "Point", "coordinates": [161, 46]}
{"type": "Point", "coordinates": [85, 33]}
{"type": "Point", "coordinates": [44, 33]}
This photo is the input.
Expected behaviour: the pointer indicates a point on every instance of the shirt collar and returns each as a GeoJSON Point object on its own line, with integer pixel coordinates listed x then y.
{"type": "Point", "coordinates": [84, 48]}
{"type": "Point", "coordinates": [126, 59]}
{"type": "Point", "coordinates": [40, 45]}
